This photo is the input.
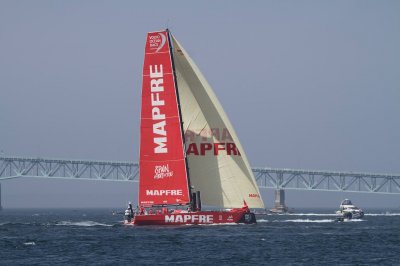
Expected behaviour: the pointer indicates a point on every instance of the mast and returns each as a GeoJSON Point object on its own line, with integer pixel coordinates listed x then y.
{"type": "Point", "coordinates": [180, 113]}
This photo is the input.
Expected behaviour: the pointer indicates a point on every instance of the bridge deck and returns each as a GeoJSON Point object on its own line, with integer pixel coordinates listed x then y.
{"type": "Point", "coordinates": [13, 167]}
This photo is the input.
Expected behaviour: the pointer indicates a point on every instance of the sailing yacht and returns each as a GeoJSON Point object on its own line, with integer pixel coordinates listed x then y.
{"type": "Point", "coordinates": [190, 156]}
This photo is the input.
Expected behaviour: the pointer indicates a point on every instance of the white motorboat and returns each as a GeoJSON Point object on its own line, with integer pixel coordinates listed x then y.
{"type": "Point", "coordinates": [349, 211]}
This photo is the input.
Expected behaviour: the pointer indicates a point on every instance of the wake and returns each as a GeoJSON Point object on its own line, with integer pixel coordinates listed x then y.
{"type": "Point", "coordinates": [333, 214]}
{"type": "Point", "coordinates": [306, 221]}
{"type": "Point", "coordinates": [82, 223]}
{"type": "Point", "coordinates": [382, 214]}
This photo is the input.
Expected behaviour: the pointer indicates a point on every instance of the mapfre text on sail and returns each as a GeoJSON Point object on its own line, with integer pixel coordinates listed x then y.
{"type": "Point", "coordinates": [158, 117]}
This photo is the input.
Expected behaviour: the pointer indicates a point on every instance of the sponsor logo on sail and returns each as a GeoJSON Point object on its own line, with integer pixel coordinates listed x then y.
{"type": "Point", "coordinates": [157, 41]}
{"type": "Point", "coordinates": [212, 148]}
{"type": "Point", "coordinates": [183, 218]}
{"type": "Point", "coordinates": [212, 141]}
{"type": "Point", "coordinates": [157, 104]}
{"type": "Point", "coordinates": [162, 171]}
{"type": "Point", "coordinates": [164, 192]}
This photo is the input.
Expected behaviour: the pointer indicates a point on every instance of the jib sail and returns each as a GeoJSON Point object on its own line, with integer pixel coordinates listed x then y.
{"type": "Point", "coordinates": [218, 166]}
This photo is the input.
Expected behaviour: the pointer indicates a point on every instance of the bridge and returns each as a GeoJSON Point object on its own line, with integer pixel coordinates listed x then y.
{"type": "Point", "coordinates": [275, 178]}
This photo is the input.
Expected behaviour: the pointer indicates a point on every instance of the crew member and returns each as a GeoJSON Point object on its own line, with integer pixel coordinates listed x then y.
{"type": "Point", "coordinates": [128, 216]}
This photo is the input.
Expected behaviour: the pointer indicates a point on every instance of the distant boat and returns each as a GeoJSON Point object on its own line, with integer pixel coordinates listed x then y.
{"type": "Point", "coordinates": [189, 152]}
{"type": "Point", "coordinates": [280, 206]}
{"type": "Point", "coordinates": [348, 211]}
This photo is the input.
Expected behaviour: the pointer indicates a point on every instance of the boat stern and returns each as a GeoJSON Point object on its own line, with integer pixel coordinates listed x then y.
{"type": "Point", "coordinates": [248, 218]}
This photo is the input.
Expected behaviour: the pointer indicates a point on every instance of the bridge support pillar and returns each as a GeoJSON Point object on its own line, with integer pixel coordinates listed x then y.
{"type": "Point", "coordinates": [0, 198]}
{"type": "Point", "coordinates": [280, 206]}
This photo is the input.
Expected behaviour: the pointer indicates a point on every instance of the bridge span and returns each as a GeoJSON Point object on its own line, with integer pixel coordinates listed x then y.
{"type": "Point", "coordinates": [275, 178]}
{"type": "Point", "coordinates": [279, 179]}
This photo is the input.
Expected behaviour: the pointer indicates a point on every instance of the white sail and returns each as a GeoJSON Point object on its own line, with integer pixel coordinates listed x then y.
{"type": "Point", "coordinates": [218, 166]}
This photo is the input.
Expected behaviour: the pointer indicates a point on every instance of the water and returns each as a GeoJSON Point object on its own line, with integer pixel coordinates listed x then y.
{"type": "Point", "coordinates": [98, 237]}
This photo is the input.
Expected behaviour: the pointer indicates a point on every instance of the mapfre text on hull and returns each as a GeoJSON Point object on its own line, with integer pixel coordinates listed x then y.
{"type": "Point", "coordinates": [196, 218]}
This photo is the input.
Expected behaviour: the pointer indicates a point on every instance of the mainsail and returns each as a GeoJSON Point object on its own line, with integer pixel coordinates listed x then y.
{"type": "Point", "coordinates": [218, 166]}
{"type": "Point", "coordinates": [163, 176]}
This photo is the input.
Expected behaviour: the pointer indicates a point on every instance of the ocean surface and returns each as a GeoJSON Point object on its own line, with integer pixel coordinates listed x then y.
{"type": "Point", "coordinates": [96, 236]}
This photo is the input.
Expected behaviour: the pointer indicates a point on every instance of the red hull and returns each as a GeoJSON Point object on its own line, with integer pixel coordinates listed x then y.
{"type": "Point", "coordinates": [200, 217]}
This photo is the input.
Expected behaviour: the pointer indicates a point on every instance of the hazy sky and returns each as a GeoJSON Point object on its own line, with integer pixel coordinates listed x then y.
{"type": "Point", "coordinates": [306, 84]}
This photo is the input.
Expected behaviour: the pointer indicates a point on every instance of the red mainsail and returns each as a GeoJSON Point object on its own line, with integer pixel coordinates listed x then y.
{"type": "Point", "coordinates": [163, 177]}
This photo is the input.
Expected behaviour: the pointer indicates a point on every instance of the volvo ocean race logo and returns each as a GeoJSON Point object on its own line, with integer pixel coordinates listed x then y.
{"type": "Point", "coordinates": [157, 42]}
{"type": "Point", "coordinates": [162, 171]}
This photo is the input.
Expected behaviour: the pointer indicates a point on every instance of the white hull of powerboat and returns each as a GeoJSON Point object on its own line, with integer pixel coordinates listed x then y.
{"type": "Point", "coordinates": [348, 211]}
